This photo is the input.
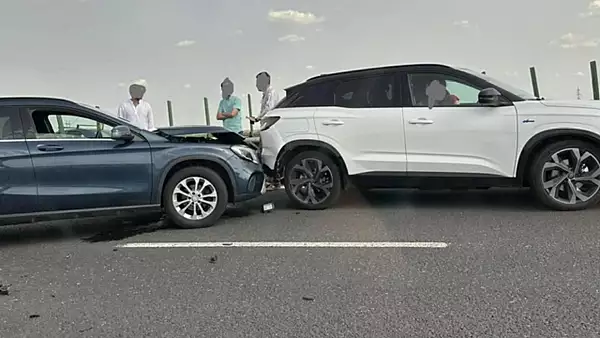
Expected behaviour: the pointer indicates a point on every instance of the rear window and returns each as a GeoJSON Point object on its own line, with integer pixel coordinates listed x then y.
{"type": "Point", "coordinates": [10, 124]}
{"type": "Point", "coordinates": [316, 95]}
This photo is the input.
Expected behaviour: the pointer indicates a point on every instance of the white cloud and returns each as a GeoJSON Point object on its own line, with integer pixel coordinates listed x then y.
{"type": "Point", "coordinates": [580, 74]}
{"type": "Point", "coordinates": [511, 73]}
{"type": "Point", "coordinates": [121, 84]}
{"type": "Point", "coordinates": [187, 86]}
{"type": "Point", "coordinates": [593, 9]}
{"type": "Point", "coordinates": [571, 41]}
{"type": "Point", "coordinates": [238, 32]}
{"type": "Point", "coordinates": [462, 23]}
{"type": "Point", "coordinates": [318, 29]}
{"type": "Point", "coordinates": [185, 43]}
{"type": "Point", "coordinates": [295, 17]}
{"type": "Point", "coordinates": [309, 67]}
{"type": "Point", "coordinates": [291, 38]}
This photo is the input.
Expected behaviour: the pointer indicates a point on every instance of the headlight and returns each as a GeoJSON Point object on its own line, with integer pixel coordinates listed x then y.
{"type": "Point", "coordinates": [245, 153]}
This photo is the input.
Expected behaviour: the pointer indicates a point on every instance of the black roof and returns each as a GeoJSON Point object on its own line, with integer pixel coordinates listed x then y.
{"type": "Point", "coordinates": [367, 71]}
{"type": "Point", "coordinates": [34, 100]}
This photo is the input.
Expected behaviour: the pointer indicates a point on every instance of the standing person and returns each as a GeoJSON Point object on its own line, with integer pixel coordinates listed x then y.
{"type": "Point", "coordinates": [269, 96]}
{"type": "Point", "coordinates": [230, 108]}
{"type": "Point", "coordinates": [135, 110]}
{"type": "Point", "coordinates": [267, 103]}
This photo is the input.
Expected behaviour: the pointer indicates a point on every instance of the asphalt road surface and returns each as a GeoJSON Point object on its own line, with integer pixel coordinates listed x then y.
{"type": "Point", "coordinates": [501, 267]}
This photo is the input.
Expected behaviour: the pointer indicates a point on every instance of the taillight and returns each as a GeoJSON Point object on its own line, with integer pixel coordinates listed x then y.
{"type": "Point", "coordinates": [267, 122]}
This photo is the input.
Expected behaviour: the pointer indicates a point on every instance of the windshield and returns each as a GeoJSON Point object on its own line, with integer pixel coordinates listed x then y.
{"type": "Point", "coordinates": [517, 91]}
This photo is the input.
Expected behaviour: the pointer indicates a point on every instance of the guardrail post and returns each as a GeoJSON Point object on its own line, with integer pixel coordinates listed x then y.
{"type": "Point", "coordinates": [61, 125]}
{"type": "Point", "coordinates": [206, 112]}
{"type": "Point", "coordinates": [250, 112]}
{"type": "Point", "coordinates": [534, 82]}
{"type": "Point", "coordinates": [594, 73]}
{"type": "Point", "coordinates": [170, 112]}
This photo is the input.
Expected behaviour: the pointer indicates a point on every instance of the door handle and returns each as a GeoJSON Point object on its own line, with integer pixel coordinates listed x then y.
{"type": "Point", "coordinates": [334, 122]}
{"type": "Point", "coordinates": [49, 147]}
{"type": "Point", "coordinates": [421, 120]}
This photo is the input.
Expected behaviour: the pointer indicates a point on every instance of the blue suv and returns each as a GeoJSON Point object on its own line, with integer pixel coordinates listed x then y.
{"type": "Point", "coordinates": [60, 159]}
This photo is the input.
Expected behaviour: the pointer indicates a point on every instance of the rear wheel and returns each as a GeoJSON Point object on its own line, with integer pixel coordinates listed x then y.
{"type": "Point", "coordinates": [312, 181]}
{"type": "Point", "coordinates": [195, 197]}
{"type": "Point", "coordinates": [566, 175]}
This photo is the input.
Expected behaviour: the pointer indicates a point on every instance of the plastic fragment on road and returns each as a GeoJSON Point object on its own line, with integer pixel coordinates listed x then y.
{"type": "Point", "coordinates": [267, 207]}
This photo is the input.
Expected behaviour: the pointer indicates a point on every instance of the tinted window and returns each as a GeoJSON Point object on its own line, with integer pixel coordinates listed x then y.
{"type": "Point", "coordinates": [10, 124]}
{"type": "Point", "coordinates": [441, 90]}
{"type": "Point", "coordinates": [53, 124]}
{"type": "Point", "coordinates": [317, 95]}
{"type": "Point", "coordinates": [372, 92]}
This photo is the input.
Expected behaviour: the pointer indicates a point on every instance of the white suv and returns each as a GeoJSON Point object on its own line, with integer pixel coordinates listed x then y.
{"type": "Point", "coordinates": [429, 126]}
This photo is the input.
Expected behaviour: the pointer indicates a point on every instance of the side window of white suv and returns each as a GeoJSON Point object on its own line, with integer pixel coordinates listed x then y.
{"type": "Point", "coordinates": [441, 90]}
{"type": "Point", "coordinates": [368, 92]}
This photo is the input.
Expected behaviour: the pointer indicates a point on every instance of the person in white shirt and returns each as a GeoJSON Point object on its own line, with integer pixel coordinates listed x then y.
{"type": "Point", "coordinates": [267, 103]}
{"type": "Point", "coordinates": [269, 96]}
{"type": "Point", "coordinates": [135, 110]}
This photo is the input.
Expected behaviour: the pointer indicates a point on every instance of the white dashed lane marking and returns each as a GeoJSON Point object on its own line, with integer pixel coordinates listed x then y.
{"type": "Point", "coordinates": [160, 245]}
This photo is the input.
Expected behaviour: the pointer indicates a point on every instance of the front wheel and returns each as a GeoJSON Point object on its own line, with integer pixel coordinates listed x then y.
{"type": "Point", "coordinates": [312, 181]}
{"type": "Point", "coordinates": [195, 197]}
{"type": "Point", "coordinates": [566, 175]}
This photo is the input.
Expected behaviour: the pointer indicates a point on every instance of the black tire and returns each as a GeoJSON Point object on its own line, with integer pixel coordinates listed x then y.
{"type": "Point", "coordinates": [536, 179]}
{"type": "Point", "coordinates": [220, 188]}
{"type": "Point", "coordinates": [335, 178]}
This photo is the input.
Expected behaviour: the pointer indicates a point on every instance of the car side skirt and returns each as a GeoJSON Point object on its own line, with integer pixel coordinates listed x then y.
{"type": "Point", "coordinates": [431, 180]}
{"type": "Point", "coordinates": [80, 213]}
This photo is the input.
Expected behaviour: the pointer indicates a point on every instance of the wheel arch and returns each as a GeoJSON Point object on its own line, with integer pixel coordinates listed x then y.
{"type": "Point", "coordinates": [215, 164]}
{"type": "Point", "coordinates": [545, 138]}
{"type": "Point", "coordinates": [293, 148]}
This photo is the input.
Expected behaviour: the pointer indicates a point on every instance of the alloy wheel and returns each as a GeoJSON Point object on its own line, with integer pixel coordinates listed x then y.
{"type": "Point", "coordinates": [194, 198]}
{"type": "Point", "coordinates": [311, 181]}
{"type": "Point", "coordinates": [571, 176]}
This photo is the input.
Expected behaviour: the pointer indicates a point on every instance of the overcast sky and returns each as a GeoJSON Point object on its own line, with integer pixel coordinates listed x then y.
{"type": "Point", "coordinates": [91, 50]}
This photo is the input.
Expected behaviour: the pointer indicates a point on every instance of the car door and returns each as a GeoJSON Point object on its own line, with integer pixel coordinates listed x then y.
{"type": "Point", "coordinates": [457, 135]}
{"type": "Point", "coordinates": [78, 166]}
{"type": "Point", "coordinates": [364, 123]}
{"type": "Point", "coordinates": [18, 189]}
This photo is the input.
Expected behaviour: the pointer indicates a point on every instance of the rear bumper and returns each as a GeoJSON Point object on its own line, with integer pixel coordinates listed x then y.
{"type": "Point", "coordinates": [270, 145]}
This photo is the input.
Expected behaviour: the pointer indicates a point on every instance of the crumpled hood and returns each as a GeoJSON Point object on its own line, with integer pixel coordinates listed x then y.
{"type": "Point", "coordinates": [585, 104]}
{"type": "Point", "coordinates": [209, 134]}
{"type": "Point", "coordinates": [192, 130]}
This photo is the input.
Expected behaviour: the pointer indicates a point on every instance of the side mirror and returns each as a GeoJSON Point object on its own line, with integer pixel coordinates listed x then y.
{"type": "Point", "coordinates": [489, 97]}
{"type": "Point", "coordinates": [122, 133]}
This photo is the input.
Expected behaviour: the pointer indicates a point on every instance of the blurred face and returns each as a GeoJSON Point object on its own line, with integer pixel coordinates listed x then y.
{"type": "Point", "coordinates": [226, 89]}
{"type": "Point", "coordinates": [262, 82]}
{"type": "Point", "coordinates": [137, 91]}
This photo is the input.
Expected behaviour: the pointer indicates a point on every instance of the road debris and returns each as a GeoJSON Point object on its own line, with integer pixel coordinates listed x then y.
{"type": "Point", "coordinates": [4, 289]}
{"type": "Point", "coordinates": [34, 316]}
{"type": "Point", "coordinates": [213, 259]}
{"type": "Point", "coordinates": [308, 298]}
{"type": "Point", "coordinates": [267, 207]}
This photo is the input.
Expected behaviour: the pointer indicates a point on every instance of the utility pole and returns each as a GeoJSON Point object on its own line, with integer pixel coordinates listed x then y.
{"type": "Point", "coordinates": [578, 93]}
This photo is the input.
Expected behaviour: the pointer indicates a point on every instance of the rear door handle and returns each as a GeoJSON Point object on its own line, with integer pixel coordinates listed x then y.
{"type": "Point", "coordinates": [421, 120]}
{"type": "Point", "coordinates": [333, 122]}
{"type": "Point", "coordinates": [49, 147]}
